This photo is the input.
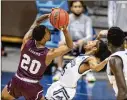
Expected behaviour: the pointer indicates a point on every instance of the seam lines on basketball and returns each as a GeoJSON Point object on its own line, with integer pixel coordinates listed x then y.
{"type": "Point", "coordinates": [59, 19]}
{"type": "Point", "coordinates": [51, 19]}
{"type": "Point", "coordinates": [66, 17]}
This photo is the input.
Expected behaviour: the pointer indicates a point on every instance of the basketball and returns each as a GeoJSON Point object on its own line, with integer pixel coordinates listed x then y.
{"type": "Point", "coordinates": [59, 18]}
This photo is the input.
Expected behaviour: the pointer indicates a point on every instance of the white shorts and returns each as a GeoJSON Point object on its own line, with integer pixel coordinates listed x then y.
{"type": "Point", "coordinates": [58, 92]}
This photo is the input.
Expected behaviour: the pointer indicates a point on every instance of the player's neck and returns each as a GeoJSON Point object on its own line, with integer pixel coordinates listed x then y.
{"type": "Point", "coordinates": [89, 53]}
{"type": "Point", "coordinates": [115, 49]}
{"type": "Point", "coordinates": [38, 45]}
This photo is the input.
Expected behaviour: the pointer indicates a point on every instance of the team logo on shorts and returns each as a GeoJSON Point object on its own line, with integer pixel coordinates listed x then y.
{"type": "Point", "coordinates": [61, 94]}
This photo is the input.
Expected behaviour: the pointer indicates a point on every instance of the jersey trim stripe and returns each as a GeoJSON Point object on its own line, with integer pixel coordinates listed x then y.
{"type": "Point", "coordinates": [26, 79]}
{"type": "Point", "coordinates": [38, 94]}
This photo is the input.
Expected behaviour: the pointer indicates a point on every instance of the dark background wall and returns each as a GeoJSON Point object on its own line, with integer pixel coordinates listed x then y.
{"type": "Point", "coordinates": [17, 17]}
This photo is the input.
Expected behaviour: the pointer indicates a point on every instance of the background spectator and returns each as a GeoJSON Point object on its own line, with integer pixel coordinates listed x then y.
{"type": "Point", "coordinates": [117, 14]}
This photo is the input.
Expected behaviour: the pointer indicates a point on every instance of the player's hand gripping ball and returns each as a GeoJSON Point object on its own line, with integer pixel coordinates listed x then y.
{"type": "Point", "coordinates": [59, 18]}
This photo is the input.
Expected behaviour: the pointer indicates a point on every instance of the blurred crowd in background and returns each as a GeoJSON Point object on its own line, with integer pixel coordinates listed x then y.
{"type": "Point", "coordinates": [87, 18]}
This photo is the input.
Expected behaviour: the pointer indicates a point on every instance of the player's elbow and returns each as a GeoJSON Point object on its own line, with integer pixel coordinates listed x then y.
{"type": "Point", "coordinates": [70, 46]}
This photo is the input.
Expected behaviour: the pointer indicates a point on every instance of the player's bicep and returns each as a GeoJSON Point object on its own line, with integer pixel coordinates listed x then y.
{"type": "Point", "coordinates": [116, 65]}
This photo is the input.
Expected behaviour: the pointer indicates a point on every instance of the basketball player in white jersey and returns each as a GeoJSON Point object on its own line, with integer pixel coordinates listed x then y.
{"type": "Point", "coordinates": [117, 64]}
{"type": "Point", "coordinates": [65, 88]}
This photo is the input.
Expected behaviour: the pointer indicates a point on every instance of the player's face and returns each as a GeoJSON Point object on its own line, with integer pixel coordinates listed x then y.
{"type": "Point", "coordinates": [77, 8]}
{"type": "Point", "coordinates": [91, 45]}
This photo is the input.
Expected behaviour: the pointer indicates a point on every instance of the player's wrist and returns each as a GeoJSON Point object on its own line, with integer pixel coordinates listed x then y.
{"type": "Point", "coordinates": [65, 31]}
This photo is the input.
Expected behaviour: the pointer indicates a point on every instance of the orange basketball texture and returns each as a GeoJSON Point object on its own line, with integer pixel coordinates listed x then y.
{"type": "Point", "coordinates": [59, 18]}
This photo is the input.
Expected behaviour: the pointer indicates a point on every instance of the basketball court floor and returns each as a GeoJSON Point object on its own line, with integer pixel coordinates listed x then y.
{"type": "Point", "coordinates": [100, 91]}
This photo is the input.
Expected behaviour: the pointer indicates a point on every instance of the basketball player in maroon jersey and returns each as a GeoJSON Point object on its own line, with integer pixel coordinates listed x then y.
{"type": "Point", "coordinates": [34, 59]}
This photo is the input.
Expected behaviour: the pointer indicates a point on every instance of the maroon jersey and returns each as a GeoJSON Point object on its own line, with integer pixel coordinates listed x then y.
{"type": "Point", "coordinates": [32, 61]}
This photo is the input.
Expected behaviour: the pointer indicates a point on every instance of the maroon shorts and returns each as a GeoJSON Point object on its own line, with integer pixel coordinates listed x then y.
{"type": "Point", "coordinates": [18, 88]}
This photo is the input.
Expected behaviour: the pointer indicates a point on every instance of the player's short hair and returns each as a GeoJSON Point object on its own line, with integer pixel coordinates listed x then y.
{"type": "Point", "coordinates": [115, 36]}
{"type": "Point", "coordinates": [103, 51]}
{"type": "Point", "coordinates": [39, 32]}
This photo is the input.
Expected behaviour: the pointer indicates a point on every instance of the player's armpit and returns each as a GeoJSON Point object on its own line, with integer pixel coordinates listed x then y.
{"type": "Point", "coordinates": [116, 67]}
{"type": "Point", "coordinates": [56, 52]}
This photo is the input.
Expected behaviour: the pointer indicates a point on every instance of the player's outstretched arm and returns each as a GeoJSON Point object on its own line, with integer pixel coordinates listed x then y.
{"type": "Point", "coordinates": [61, 50]}
{"type": "Point", "coordinates": [116, 67]}
{"type": "Point", "coordinates": [28, 35]}
{"type": "Point", "coordinates": [68, 38]}
{"type": "Point", "coordinates": [93, 64]}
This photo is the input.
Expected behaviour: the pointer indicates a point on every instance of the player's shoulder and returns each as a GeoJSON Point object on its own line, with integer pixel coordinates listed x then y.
{"type": "Point", "coordinates": [114, 59]}
{"type": "Point", "coordinates": [30, 42]}
{"type": "Point", "coordinates": [82, 56]}
{"type": "Point", "coordinates": [119, 53]}
{"type": "Point", "coordinates": [90, 58]}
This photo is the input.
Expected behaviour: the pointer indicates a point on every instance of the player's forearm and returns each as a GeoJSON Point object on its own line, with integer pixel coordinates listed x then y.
{"type": "Point", "coordinates": [28, 35]}
{"type": "Point", "coordinates": [68, 39]}
{"type": "Point", "coordinates": [42, 18]}
{"type": "Point", "coordinates": [100, 66]}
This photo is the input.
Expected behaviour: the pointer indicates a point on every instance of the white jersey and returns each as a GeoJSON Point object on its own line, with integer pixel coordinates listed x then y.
{"type": "Point", "coordinates": [71, 74]}
{"type": "Point", "coordinates": [123, 56]}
